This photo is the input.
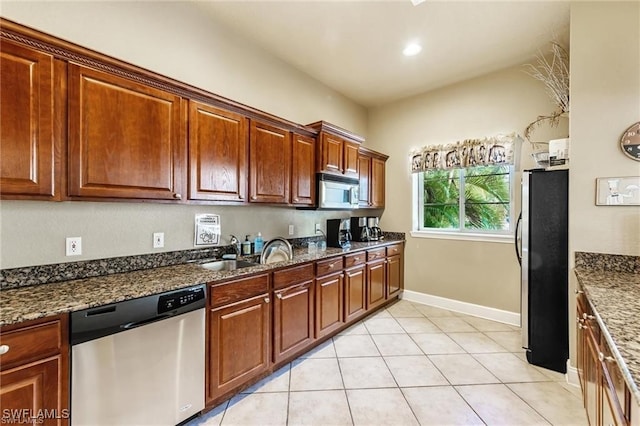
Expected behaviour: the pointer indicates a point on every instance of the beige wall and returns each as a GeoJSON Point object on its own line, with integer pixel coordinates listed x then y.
{"type": "Point", "coordinates": [177, 40]}
{"type": "Point", "coordinates": [483, 273]}
{"type": "Point", "coordinates": [605, 100]}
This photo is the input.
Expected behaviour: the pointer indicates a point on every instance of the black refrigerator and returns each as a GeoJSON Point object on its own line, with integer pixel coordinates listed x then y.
{"type": "Point", "coordinates": [542, 250]}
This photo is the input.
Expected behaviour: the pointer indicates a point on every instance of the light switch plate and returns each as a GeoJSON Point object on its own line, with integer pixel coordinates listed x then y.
{"type": "Point", "coordinates": [74, 246]}
{"type": "Point", "coordinates": [291, 229]}
{"type": "Point", "coordinates": [158, 239]}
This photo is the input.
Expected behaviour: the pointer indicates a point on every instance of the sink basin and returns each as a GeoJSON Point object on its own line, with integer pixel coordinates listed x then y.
{"type": "Point", "coordinates": [227, 265]}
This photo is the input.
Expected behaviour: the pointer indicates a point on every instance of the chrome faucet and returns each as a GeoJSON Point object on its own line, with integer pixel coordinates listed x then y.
{"type": "Point", "coordinates": [236, 244]}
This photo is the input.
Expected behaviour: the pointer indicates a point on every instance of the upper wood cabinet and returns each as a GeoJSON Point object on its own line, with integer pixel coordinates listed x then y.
{"type": "Point", "coordinates": [372, 170]}
{"type": "Point", "coordinates": [27, 142]}
{"type": "Point", "coordinates": [218, 142]}
{"type": "Point", "coordinates": [337, 149]}
{"type": "Point", "coordinates": [303, 170]}
{"type": "Point", "coordinates": [126, 139]}
{"type": "Point", "coordinates": [269, 163]}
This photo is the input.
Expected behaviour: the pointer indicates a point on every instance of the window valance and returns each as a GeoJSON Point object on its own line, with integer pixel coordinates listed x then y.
{"type": "Point", "coordinates": [495, 150]}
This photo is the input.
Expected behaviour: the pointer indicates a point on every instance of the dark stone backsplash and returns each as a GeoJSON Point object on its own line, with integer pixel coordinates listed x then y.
{"type": "Point", "coordinates": [608, 262]}
{"type": "Point", "coordinates": [45, 274]}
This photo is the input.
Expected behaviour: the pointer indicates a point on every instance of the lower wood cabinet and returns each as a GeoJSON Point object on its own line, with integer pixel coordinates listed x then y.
{"type": "Point", "coordinates": [293, 320]}
{"type": "Point", "coordinates": [376, 283]}
{"type": "Point", "coordinates": [329, 302]}
{"type": "Point", "coordinates": [355, 292]}
{"type": "Point", "coordinates": [34, 371]}
{"type": "Point", "coordinates": [606, 396]}
{"type": "Point", "coordinates": [239, 337]}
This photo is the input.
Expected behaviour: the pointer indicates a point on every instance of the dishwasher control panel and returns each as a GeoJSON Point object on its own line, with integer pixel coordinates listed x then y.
{"type": "Point", "coordinates": [178, 299]}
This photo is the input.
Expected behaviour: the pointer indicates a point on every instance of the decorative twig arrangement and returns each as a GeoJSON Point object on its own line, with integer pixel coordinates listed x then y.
{"type": "Point", "coordinates": [554, 73]}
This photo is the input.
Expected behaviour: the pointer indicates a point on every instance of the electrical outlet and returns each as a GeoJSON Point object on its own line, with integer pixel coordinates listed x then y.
{"type": "Point", "coordinates": [291, 229]}
{"type": "Point", "coordinates": [318, 229]}
{"type": "Point", "coordinates": [158, 239]}
{"type": "Point", "coordinates": [74, 246]}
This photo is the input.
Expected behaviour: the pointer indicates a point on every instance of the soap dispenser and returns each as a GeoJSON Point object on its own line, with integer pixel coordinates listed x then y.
{"type": "Point", "coordinates": [257, 244]}
{"type": "Point", "coordinates": [246, 246]}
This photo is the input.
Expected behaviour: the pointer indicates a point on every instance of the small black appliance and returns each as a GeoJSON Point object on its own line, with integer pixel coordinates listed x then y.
{"type": "Point", "coordinates": [360, 230]}
{"type": "Point", "coordinates": [338, 233]}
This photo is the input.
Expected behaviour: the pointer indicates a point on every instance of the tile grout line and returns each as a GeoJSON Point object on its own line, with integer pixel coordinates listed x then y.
{"type": "Point", "coordinates": [344, 388]}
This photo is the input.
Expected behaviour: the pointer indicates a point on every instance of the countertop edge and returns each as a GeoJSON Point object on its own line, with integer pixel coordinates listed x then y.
{"type": "Point", "coordinates": [622, 364]}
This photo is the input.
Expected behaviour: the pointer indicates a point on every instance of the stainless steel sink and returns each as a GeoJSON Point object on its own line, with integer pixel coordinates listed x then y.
{"type": "Point", "coordinates": [227, 265]}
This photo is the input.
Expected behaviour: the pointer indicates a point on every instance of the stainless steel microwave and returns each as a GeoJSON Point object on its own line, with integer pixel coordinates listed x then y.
{"type": "Point", "coordinates": [337, 192]}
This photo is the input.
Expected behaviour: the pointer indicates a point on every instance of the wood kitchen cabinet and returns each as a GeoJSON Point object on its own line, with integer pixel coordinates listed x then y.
{"type": "Point", "coordinates": [303, 170]}
{"type": "Point", "coordinates": [355, 286]}
{"type": "Point", "coordinates": [372, 172]}
{"type": "Point", "coordinates": [34, 369]}
{"type": "Point", "coordinates": [394, 270]}
{"type": "Point", "coordinates": [338, 150]}
{"type": "Point", "coordinates": [126, 139]}
{"type": "Point", "coordinates": [329, 296]}
{"type": "Point", "coordinates": [27, 142]}
{"type": "Point", "coordinates": [606, 396]}
{"type": "Point", "coordinates": [238, 334]}
{"type": "Point", "coordinates": [293, 311]}
{"type": "Point", "coordinates": [269, 164]}
{"type": "Point", "coordinates": [218, 147]}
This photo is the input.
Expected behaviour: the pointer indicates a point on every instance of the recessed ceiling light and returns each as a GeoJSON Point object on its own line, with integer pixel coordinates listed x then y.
{"type": "Point", "coordinates": [416, 2]}
{"type": "Point", "coordinates": [412, 49]}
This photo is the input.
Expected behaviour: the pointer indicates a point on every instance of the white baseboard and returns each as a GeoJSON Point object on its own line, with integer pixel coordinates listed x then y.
{"type": "Point", "coordinates": [507, 317]}
{"type": "Point", "coordinates": [572, 374]}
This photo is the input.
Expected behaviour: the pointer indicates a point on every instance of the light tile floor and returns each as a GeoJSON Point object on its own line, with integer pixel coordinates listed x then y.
{"type": "Point", "coordinates": [409, 364]}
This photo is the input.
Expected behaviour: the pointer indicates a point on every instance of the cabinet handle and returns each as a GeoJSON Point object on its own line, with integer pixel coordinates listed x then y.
{"type": "Point", "coordinates": [579, 292]}
{"type": "Point", "coordinates": [267, 300]}
{"type": "Point", "coordinates": [295, 200]}
{"type": "Point", "coordinates": [278, 295]}
{"type": "Point", "coordinates": [253, 197]}
{"type": "Point", "coordinates": [579, 320]}
{"type": "Point", "coordinates": [177, 196]}
{"type": "Point", "coordinates": [357, 259]}
{"type": "Point", "coordinates": [602, 358]}
{"type": "Point", "coordinates": [4, 349]}
{"type": "Point", "coordinates": [331, 265]}
{"type": "Point", "coordinates": [585, 316]}
{"type": "Point", "coordinates": [581, 327]}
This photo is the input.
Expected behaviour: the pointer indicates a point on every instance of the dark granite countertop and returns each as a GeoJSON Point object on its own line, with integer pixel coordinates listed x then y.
{"type": "Point", "coordinates": [615, 299]}
{"type": "Point", "coordinates": [37, 301]}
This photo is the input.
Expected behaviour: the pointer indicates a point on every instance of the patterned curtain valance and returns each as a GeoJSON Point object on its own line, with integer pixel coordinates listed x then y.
{"type": "Point", "coordinates": [467, 153]}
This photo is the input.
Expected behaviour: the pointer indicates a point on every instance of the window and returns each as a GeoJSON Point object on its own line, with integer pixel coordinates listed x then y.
{"type": "Point", "coordinates": [475, 200]}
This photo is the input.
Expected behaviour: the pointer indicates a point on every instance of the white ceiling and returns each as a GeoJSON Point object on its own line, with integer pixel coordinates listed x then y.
{"type": "Point", "coordinates": [355, 47]}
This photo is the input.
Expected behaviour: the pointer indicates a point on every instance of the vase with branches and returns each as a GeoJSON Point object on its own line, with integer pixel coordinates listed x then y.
{"type": "Point", "coordinates": [553, 71]}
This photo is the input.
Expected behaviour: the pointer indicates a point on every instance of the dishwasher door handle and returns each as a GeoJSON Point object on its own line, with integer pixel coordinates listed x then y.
{"type": "Point", "coordinates": [134, 324]}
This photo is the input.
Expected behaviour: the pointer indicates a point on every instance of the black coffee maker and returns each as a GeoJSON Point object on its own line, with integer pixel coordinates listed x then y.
{"type": "Point", "coordinates": [338, 233]}
{"type": "Point", "coordinates": [374, 229]}
{"type": "Point", "coordinates": [361, 230]}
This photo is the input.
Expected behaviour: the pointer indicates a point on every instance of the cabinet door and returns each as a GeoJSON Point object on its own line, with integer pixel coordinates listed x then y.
{"type": "Point", "coordinates": [377, 182]}
{"type": "Point", "coordinates": [375, 283]}
{"type": "Point", "coordinates": [364, 170]}
{"type": "Point", "coordinates": [331, 154]}
{"type": "Point", "coordinates": [329, 299]}
{"type": "Point", "coordinates": [269, 164]}
{"type": "Point", "coordinates": [350, 166]}
{"type": "Point", "coordinates": [293, 321]}
{"type": "Point", "coordinates": [26, 113]}
{"type": "Point", "coordinates": [303, 171]}
{"type": "Point", "coordinates": [218, 142]}
{"type": "Point", "coordinates": [126, 139]}
{"type": "Point", "coordinates": [394, 275]}
{"type": "Point", "coordinates": [355, 292]}
{"type": "Point", "coordinates": [238, 344]}
{"type": "Point", "coordinates": [34, 387]}
{"type": "Point", "coordinates": [592, 384]}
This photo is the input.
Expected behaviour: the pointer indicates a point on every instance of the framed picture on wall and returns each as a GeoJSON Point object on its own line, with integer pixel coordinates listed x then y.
{"type": "Point", "coordinates": [618, 191]}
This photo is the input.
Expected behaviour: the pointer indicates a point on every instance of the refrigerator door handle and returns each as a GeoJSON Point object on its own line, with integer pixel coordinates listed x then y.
{"type": "Point", "coordinates": [518, 240]}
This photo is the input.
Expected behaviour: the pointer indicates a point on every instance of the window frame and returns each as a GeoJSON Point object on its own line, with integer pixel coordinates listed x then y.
{"type": "Point", "coordinates": [461, 233]}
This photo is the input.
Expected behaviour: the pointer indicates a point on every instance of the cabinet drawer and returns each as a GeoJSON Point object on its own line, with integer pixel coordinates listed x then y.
{"type": "Point", "coordinates": [234, 291]}
{"type": "Point", "coordinates": [355, 259]}
{"type": "Point", "coordinates": [394, 249]}
{"type": "Point", "coordinates": [31, 342]}
{"type": "Point", "coordinates": [376, 254]}
{"type": "Point", "coordinates": [291, 276]}
{"type": "Point", "coordinates": [326, 267]}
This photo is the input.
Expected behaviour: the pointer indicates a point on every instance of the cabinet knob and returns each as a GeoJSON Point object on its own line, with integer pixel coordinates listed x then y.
{"type": "Point", "coordinates": [357, 259]}
{"type": "Point", "coordinates": [585, 316]}
{"type": "Point", "coordinates": [4, 349]}
{"type": "Point", "coordinates": [602, 358]}
{"type": "Point", "coordinates": [295, 200]}
{"type": "Point", "coordinates": [253, 197]}
{"type": "Point", "coordinates": [177, 196]}
{"type": "Point", "coordinates": [581, 327]}
{"type": "Point", "coordinates": [278, 295]}
{"type": "Point", "coordinates": [331, 265]}
{"type": "Point", "coordinates": [579, 320]}
{"type": "Point", "coordinates": [267, 300]}
{"type": "Point", "coordinates": [579, 292]}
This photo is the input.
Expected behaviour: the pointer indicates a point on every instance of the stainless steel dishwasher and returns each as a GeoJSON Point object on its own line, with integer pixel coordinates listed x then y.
{"type": "Point", "coordinates": [139, 362]}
